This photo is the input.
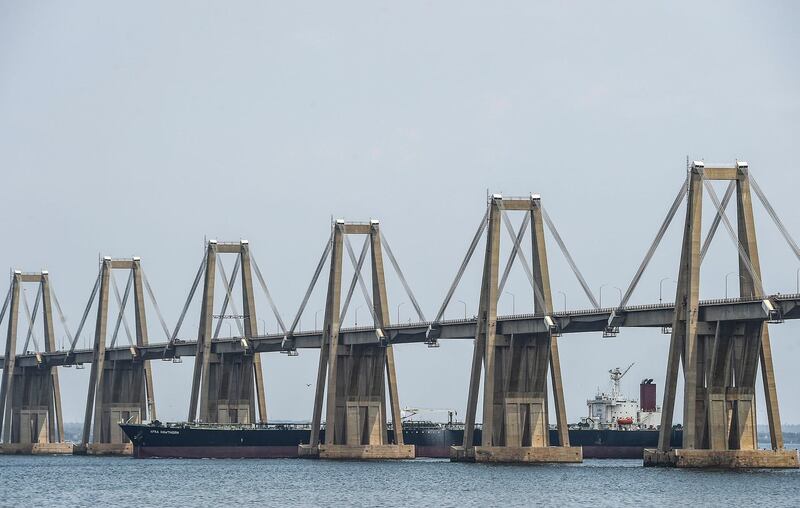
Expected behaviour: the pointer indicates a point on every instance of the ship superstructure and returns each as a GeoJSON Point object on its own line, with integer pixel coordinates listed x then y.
{"type": "Point", "coordinates": [612, 410]}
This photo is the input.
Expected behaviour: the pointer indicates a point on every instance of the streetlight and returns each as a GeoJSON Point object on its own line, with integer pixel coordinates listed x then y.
{"type": "Point", "coordinates": [398, 311]}
{"type": "Point", "coordinates": [797, 274]}
{"type": "Point", "coordinates": [465, 307]}
{"type": "Point", "coordinates": [315, 319]}
{"type": "Point", "coordinates": [620, 294]}
{"type": "Point", "coordinates": [600, 302]}
{"type": "Point", "coordinates": [726, 281]}
{"type": "Point", "coordinates": [565, 299]}
{"type": "Point", "coordinates": [359, 307]}
{"type": "Point", "coordinates": [513, 302]}
{"type": "Point", "coordinates": [661, 285]}
{"type": "Point", "coordinates": [230, 332]}
{"type": "Point", "coordinates": [263, 326]}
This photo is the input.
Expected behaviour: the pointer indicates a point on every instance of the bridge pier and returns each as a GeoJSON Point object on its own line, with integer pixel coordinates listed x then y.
{"type": "Point", "coordinates": [719, 367]}
{"type": "Point", "coordinates": [515, 366]}
{"type": "Point", "coordinates": [356, 374]}
{"type": "Point", "coordinates": [119, 390]}
{"type": "Point", "coordinates": [30, 397]}
{"type": "Point", "coordinates": [223, 384]}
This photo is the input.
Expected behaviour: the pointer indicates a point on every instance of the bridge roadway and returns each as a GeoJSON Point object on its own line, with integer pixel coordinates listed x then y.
{"type": "Point", "coordinates": [592, 320]}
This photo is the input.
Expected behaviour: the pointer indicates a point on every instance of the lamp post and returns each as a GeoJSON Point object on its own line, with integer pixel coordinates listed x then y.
{"type": "Point", "coordinates": [797, 274]}
{"type": "Point", "coordinates": [315, 319]}
{"type": "Point", "coordinates": [359, 307]}
{"type": "Point", "coordinates": [726, 281]}
{"type": "Point", "coordinates": [565, 299]}
{"type": "Point", "coordinates": [513, 302]}
{"type": "Point", "coordinates": [465, 307]}
{"type": "Point", "coordinates": [600, 291]}
{"type": "Point", "coordinates": [620, 295]}
{"type": "Point", "coordinates": [398, 311]}
{"type": "Point", "coordinates": [263, 326]}
{"type": "Point", "coordinates": [230, 331]}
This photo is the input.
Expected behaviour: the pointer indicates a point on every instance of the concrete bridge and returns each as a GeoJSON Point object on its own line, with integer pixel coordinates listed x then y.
{"type": "Point", "coordinates": [720, 345]}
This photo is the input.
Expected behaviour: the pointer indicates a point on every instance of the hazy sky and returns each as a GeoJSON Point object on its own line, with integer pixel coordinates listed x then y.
{"type": "Point", "coordinates": [141, 128]}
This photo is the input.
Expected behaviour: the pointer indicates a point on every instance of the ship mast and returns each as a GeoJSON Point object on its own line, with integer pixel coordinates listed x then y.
{"type": "Point", "coordinates": [616, 375]}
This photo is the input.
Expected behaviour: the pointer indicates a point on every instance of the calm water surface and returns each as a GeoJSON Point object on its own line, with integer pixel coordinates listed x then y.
{"type": "Point", "coordinates": [95, 481]}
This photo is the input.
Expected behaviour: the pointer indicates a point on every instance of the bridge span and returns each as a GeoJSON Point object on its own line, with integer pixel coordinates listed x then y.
{"type": "Point", "coordinates": [575, 321]}
{"type": "Point", "coordinates": [719, 346]}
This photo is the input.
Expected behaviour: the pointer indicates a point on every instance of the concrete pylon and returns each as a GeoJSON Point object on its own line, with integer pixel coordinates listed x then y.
{"type": "Point", "coordinates": [30, 397]}
{"type": "Point", "coordinates": [720, 360]}
{"type": "Point", "coordinates": [120, 390]}
{"type": "Point", "coordinates": [222, 384]}
{"type": "Point", "coordinates": [515, 419]}
{"type": "Point", "coordinates": [356, 374]}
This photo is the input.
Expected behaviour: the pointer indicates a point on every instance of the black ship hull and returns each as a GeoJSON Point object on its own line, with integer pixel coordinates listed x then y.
{"type": "Point", "coordinates": [281, 441]}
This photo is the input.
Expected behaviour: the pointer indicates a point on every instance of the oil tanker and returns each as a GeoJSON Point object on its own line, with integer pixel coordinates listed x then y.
{"type": "Point", "coordinates": [616, 427]}
{"type": "Point", "coordinates": [431, 439]}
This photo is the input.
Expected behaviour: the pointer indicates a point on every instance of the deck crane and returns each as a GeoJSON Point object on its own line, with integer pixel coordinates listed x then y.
{"type": "Point", "coordinates": [616, 376]}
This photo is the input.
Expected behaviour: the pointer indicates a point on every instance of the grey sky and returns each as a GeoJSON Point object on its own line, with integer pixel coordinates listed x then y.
{"type": "Point", "coordinates": [139, 129]}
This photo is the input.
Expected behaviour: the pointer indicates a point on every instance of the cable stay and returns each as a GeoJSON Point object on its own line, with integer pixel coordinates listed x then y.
{"type": "Point", "coordinates": [736, 241]}
{"type": "Point", "coordinates": [228, 298]}
{"type": "Point", "coordinates": [357, 265]}
{"type": "Point", "coordinates": [155, 304]}
{"type": "Point", "coordinates": [186, 305]}
{"type": "Point", "coordinates": [460, 273]}
{"type": "Point", "coordinates": [654, 245]}
{"type": "Point", "coordinates": [537, 291]}
{"type": "Point", "coordinates": [85, 314]}
{"type": "Point", "coordinates": [403, 281]}
{"type": "Point", "coordinates": [31, 317]}
{"type": "Point", "coordinates": [60, 312]}
{"type": "Point", "coordinates": [511, 257]}
{"type": "Point", "coordinates": [5, 304]}
{"type": "Point", "coordinates": [221, 267]}
{"type": "Point", "coordinates": [320, 265]}
{"type": "Point", "coordinates": [121, 303]}
{"type": "Point", "coordinates": [717, 219]}
{"type": "Point", "coordinates": [264, 288]}
{"type": "Point", "coordinates": [771, 211]}
{"type": "Point", "coordinates": [561, 245]}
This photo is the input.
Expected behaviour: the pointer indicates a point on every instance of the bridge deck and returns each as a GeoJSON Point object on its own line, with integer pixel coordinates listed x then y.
{"type": "Point", "coordinates": [576, 321]}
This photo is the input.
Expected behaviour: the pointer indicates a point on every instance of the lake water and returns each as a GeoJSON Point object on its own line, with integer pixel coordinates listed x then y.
{"type": "Point", "coordinates": [101, 481]}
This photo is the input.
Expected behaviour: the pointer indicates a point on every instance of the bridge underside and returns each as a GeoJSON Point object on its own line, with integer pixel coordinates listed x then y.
{"type": "Point", "coordinates": [229, 396]}
{"type": "Point", "coordinates": [121, 397]}
{"type": "Point", "coordinates": [356, 410]}
{"type": "Point", "coordinates": [518, 408]}
{"type": "Point", "coordinates": [32, 416]}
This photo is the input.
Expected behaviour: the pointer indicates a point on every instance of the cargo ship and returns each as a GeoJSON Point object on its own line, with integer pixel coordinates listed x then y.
{"type": "Point", "coordinates": [616, 427]}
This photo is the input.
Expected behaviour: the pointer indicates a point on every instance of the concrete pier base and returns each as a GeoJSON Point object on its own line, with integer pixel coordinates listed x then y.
{"type": "Point", "coordinates": [357, 452]}
{"type": "Point", "coordinates": [522, 455]}
{"type": "Point", "coordinates": [722, 459]}
{"type": "Point", "coordinates": [104, 449]}
{"type": "Point", "coordinates": [36, 449]}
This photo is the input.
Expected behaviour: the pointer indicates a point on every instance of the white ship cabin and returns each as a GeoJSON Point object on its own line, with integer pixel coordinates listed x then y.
{"type": "Point", "coordinates": [617, 412]}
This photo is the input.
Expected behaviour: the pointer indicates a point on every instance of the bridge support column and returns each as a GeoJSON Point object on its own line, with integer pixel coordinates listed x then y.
{"type": "Point", "coordinates": [356, 374]}
{"type": "Point", "coordinates": [719, 422]}
{"type": "Point", "coordinates": [515, 405]}
{"type": "Point", "coordinates": [227, 386]}
{"type": "Point", "coordinates": [119, 390]}
{"type": "Point", "coordinates": [30, 397]}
